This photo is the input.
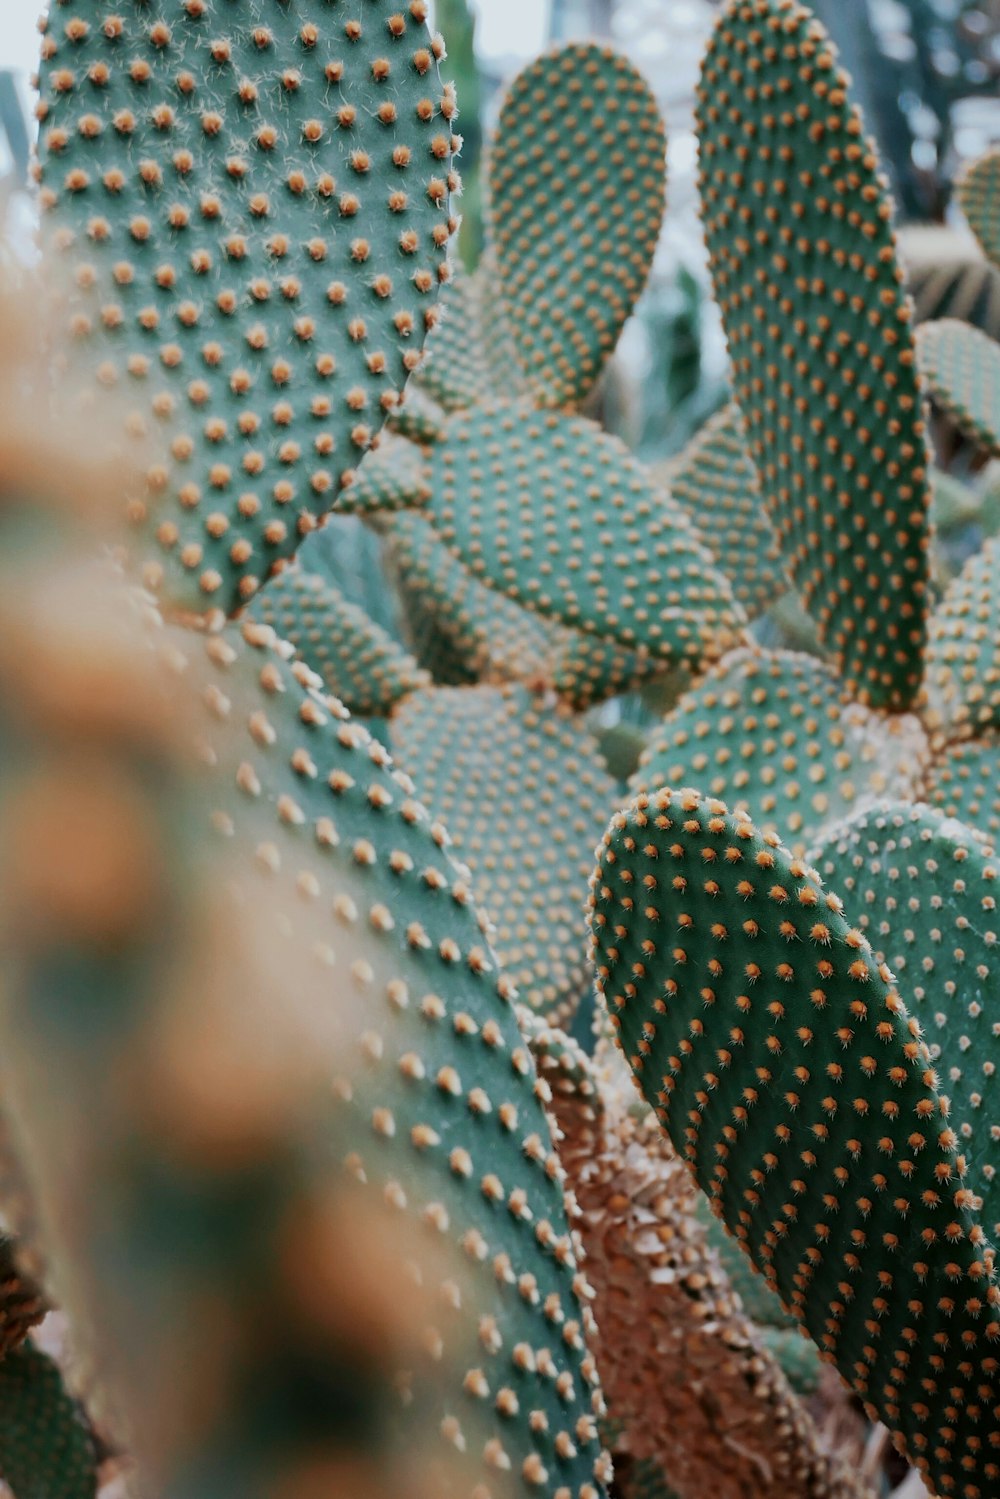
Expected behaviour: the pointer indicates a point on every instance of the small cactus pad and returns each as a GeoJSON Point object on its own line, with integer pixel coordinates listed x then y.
{"type": "Point", "coordinates": [359, 662]}
{"type": "Point", "coordinates": [978, 193]}
{"type": "Point", "coordinates": [964, 783]}
{"type": "Point", "coordinates": [558, 515]}
{"type": "Point", "coordinates": [417, 417]}
{"type": "Point", "coordinates": [804, 266]}
{"type": "Point", "coordinates": [521, 786]}
{"type": "Point", "coordinates": [963, 652]}
{"type": "Point", "coordinates": [253, 213]}
{"type": "Point", "coordinates": [775, 734]}
{"type": "Point", "coordinates": [455, 372]}
{"type": "Point", "coordinates": [46, 1448]}
{"type": "Point", "coordinates": [961, 369]}
{"type": "Point", "coordinates": [716, 483]}
{"type": "Point", "coordinates": [924, 890]}
{"type": "Point", "coordinates": [780, 1058]}
{"type": "Point", "coordinates": [392, 478]}
{"type": "Point", "coordinates": [579, 148]}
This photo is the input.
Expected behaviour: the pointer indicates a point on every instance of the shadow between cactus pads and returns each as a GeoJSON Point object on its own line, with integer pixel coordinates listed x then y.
{"type": "Point", "coordinates": [779, 1056]}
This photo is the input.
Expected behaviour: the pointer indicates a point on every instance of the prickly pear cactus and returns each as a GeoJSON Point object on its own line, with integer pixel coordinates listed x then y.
{"type": "Point", "coordinates": [961, 368]}
{"type": "Point", "coordinates": [780, 1056]}
{"type": "Point", "coordinates": [251, 212]}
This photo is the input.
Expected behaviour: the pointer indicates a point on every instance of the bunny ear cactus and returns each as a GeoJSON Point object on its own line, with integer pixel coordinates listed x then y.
{"type": "Point", "coordinates": [252, 216]}
{"type": "Point", "coordinates": [978, 193]}
{"type": "Point", "coordinates": [804, 267]}
{"type": "Point", "coordinates": [779, 1055]}
{"type": "Point", "coordinates": [961, 368]}
{"type": "Point", "coordinates": [580, 141]}
{"type": "Point", "coordinates": [964, 782]}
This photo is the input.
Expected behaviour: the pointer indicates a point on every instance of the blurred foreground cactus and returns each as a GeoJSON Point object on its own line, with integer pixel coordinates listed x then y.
{"type": "Point", "coordinates": [332, 629]}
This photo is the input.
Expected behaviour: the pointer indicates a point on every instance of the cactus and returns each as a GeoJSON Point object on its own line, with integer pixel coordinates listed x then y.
{"type": "Point", "coordinates": [818, 325]}
{"type": "Point", "coordinates": [717, 484]}
{"type": "Point", "coordinates": [252, 221]}
{"type": "Point", "coordinates": [47, 1450]}
{"type": "Point", "coordinates": [817, 1129]}
{"type": "Point", "coordinates": [964, 783]}
{"type": "Point", "coordinates": [359, 662]}
{"type": "Point", "coordinates": [777, 735]}
{"type": "Point", "coordinates": [961, 367]}
{"type": "Point", "coordinates": [978, 193]}
{"type": "Point", "coordinates": [963, 670]}
{"type": "Point", "coordinates": [513, 751]}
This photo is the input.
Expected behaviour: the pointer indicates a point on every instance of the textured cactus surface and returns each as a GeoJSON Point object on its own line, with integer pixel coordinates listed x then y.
{"type": "Point", "coordinates": [797, 225]}
{"type": "Point", "coordinates": [964, 782]}
{"type": "Point", "coordinates": [520, 785]}
{"type": "Point", "coordinates": [777, 735]}
{"type": "Point", "coordinates": [716, 483]}
{"type": "Point", "coordinates": [455, 371]}
{"type": "Point", "coordinates": [580, 142]}
{"type": "Point", "coordinates": [978, 193]}
{"type": "Point", "coordinates": [252, 210]}
{"type": "Point", "coordinates": [559, 516]}
{"type": "Point", "coordinates": [961, 368]}
{"type": "Point", "coordinates": [779, 1056]}
{"type": "Point", "coordinates": [392, 478]}
{"type": "Point", "coordinates": [46, 1448]}
{"type": "Point", "coordinates": [963, 653]}
{"type": "Point", "coordinates": [359, 662]}
{"type": "Point", "coordinates": [924, 890]}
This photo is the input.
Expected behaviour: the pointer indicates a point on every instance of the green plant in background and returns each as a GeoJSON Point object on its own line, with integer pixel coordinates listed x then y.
{"type": "Point", "coordinates": [325, 1210]}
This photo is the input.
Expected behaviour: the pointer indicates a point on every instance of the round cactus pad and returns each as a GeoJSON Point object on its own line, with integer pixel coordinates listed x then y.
{"type": "Point", "coordinates": [961, 368]}
{"type": "Point", "coordinates": [978, 193]}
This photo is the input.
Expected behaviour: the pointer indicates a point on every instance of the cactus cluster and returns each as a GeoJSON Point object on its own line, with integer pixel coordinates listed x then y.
{"type": "Point", "coordinates": [329, 620]}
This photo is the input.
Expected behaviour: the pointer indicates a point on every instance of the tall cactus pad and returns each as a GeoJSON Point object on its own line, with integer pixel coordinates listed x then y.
{"type": "Point", "coordinates": [924, 889]}
{"type": "Point", "coordinates": [252, 213]}
{"type": "Point", "coordinates": [558, 515]}
{"type": "Point", "coordinates": [539, 774]}
{"type": "Point", "coordinates": [961, 368]}
{"type": "Point", "coordinates": [978, 192]}
{"type": "Point", "coordinates": [964, 782]}
{"type": "Point", "coordinates": [717, 484]}
{"type": "Point", "coordinates": [46, 1448]}
{"type": "Point", "coordinates": [455, 372]}
{"type": "Point", "coordinates": [780, 1058]}
{"type": "Point", "coordinates": [580, 144]}
{"type": "Point", "coordinates": [777, 736]}
{"type": "Point", "coordinates": [963, 654]}
{"type": "Point", "coordinates": [359, 662]}
{"type": "Point", "coordinates": [805, 271]}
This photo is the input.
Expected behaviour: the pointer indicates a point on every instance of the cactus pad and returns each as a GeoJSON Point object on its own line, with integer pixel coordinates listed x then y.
{"type": "Point", "coordinates": [392, 478]}
{"type": "Point", "coordinates": [964, 783]}
{"type": "Point", "coordinates": [924, 890]}
{"type": "Point", "coordinates": [978, 193]}
{"type": "Point", "coordinates": [455, 372]}
{"type": "Point", "coordinates": [522, 789]}
{"type": "Point", "coordinates": [359, 662]}
{"type": "Point", "coordinates": [46, 1448]}
{"type": "Point", "coordinates": [805, 271]}
{"type": "Point", "coordinates": [579, 144]}
{"type": "Point", "coordinates": [963, 653]}
{"type": "Point", "coordinates": [716, 483]}
{"type": "Point", "coordinates": [779, 1056]}
{"type": "Point", "coordinates": [253, 215]}
{"type": "Point", "coordinates": [961, 368]}
{"type": "Point", "coordinates": [775, 734]}
{"type": "Point", "coordinates": [559, 516]}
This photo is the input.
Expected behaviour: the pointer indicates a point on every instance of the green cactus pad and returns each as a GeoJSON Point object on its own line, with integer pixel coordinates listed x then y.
{"type": "Point", "coordinates": [780, 1058]}
{"type": "Point", "coordinates": [522, 789]}
{"type": "Point", "coordinates": [961, 369]}
{"type": "Point", "coordinates": [579, 148]}
{"type": "Point", "coordinates": [359, 662]}
{"type": "Point", "coordinates": [390, 479]}
{"type": "Point", "coordinates": [978, 194]}
{"type": "Point", "coordinates": [924, 891]}
{"type": "Point", "coordinates": [418, 417]}
{"type": "Point", "coordinates": [776, 734]}
{"type": "Point", "coordinates": [473, 633]}
{"type": "Point", "coordinates": [559, 516]}
{"type": "Point", "coordinates": [963, 652]}
{"type": "Point", "coordinates": [964, 783]}
{"type": "Point", "coordinates": [46, 1448]}
{"type": "Point", "coordinates": [804, 266]}
{"type": "Point", "coordinates": [455, 372]}
{"type": "Point", "coordinates": [716, 483]}
{"type": "Point", "coordinates": [253, 218]}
